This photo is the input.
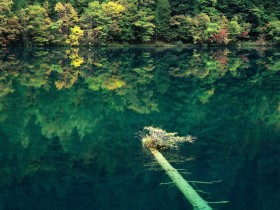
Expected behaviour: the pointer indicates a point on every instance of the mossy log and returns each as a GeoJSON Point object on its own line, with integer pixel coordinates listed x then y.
{"type": "Point", "coordinates": [157, 139]}
{"type": "Point", "coordinates": [190, 194]}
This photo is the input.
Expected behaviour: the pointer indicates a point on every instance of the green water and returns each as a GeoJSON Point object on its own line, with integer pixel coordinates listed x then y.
{"type": "Point", "coordinates": [69, 121]}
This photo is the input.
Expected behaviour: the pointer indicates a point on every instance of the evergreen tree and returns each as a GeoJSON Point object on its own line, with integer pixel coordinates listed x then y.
{"type": "Point", "coordinates": [35, 24]}
{"type": "Point", "coordinates": [163, 15]}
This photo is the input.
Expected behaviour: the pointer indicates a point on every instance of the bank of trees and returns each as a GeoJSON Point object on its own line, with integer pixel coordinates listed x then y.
{"type": "Point", "coordinates": [84, 22]}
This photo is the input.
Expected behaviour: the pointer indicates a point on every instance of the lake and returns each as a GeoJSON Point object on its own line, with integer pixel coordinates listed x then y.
{"type": "Point", "coordinates": [70, 122]}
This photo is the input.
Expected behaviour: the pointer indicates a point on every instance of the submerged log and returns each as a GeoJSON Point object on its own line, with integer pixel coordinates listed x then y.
{"type": "Point", "coordinates": [157, 139]}
{"type": "Point", "coordinates": [190, 194]}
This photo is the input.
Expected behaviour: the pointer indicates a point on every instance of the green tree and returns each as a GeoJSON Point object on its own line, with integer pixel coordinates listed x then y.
{"type": "Point", "coordinates": [36, 25]}
{"type": "Point", "coordinates": [103, 21]}
{"type": "Point", "coordinates": [20, 4]}
{"type": "Point", "coordinates": [162, 18]}
{"type": "Point", "coordinates": [236, 28]}
{"type": "Point", "coordinates": [182, 7]}
{"type": "Point", "coordinates": [113, 14]}
{"type": "Point", "coordinates": [180, 27]}
{"type": "Point", "coordinates": [143, 26]}
{"type": "Point", "coordinates": [90, 19]}
{"type": "Point", "coordinates": [273, 31]}
{"type": "Point", "coordinates": [202, 28]}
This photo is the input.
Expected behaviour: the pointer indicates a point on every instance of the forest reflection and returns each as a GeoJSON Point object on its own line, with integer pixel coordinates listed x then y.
{"type": "Point", "coordinates": [68, 113]}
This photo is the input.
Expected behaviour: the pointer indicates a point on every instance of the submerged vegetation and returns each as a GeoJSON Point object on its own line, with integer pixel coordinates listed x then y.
{"type": "Point", "coordinates": [88, 22]}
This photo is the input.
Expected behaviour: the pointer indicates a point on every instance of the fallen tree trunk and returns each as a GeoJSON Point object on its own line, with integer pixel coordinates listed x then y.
{"type": "Point", "coordinates": [190, 194]}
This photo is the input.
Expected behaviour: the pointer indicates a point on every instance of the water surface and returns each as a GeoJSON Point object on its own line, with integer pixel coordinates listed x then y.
{"type": "Point", "coordinates": [69, 120]}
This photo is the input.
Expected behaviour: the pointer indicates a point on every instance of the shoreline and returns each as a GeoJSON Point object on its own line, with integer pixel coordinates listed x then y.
{"type": "Point", "coordinates": [156, 45]}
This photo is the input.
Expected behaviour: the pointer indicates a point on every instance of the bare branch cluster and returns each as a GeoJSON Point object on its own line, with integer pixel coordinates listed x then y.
{"type": "Point", "coordinates": [157, 138]}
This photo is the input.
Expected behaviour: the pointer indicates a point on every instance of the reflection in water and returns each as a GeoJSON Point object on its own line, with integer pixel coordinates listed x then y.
{"type": "Point", "coordinates": [68, 120]}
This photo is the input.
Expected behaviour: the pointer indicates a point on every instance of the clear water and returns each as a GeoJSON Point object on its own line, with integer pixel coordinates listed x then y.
{"type": "Point", "coordinates": [69, 121]}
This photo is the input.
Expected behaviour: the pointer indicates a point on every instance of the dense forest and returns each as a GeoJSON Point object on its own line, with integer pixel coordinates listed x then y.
{"type": "Point", "coordinates": [87, 22]}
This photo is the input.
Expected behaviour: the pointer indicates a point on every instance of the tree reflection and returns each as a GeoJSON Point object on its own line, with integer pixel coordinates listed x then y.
{"type": "Point", "coordinates": [68, 113]}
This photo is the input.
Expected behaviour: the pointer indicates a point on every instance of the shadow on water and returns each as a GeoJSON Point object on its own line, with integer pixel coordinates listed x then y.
{"type": "Point", "coordinates": [69, 120]}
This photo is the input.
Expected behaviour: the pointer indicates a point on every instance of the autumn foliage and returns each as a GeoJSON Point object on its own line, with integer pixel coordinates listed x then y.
{"type": "Point", "coordinates": [221, 37]}
{"type": "Point", "coordinates": [55, 23]}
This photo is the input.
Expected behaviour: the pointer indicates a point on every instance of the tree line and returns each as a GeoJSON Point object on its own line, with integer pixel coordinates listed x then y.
{"type": "Point", "coordinates": [85, 22]}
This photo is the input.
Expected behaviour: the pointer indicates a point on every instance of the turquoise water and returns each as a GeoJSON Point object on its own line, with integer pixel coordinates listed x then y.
{"type": "Point", "coordinates": [69, 124]}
